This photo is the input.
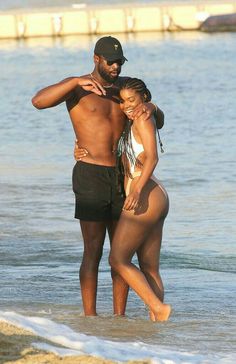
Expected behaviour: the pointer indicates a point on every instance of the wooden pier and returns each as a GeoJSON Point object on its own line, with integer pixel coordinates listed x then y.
{"type": "Point", "coordinates": [82, 19]}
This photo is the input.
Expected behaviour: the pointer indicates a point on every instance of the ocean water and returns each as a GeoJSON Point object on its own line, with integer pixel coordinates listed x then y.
{"type": "Point", "coordinates": [192, 78]}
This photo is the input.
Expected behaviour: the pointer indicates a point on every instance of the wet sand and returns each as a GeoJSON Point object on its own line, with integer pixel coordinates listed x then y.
{"type": "Point", "coordinates": [16, 348]}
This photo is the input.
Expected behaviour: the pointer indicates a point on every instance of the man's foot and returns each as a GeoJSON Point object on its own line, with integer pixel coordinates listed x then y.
{"type": "Point", "coordinates": [162, 314]}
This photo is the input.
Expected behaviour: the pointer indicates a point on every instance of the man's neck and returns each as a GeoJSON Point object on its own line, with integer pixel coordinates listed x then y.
{"type": "Point", "coordinates": [97, 77]}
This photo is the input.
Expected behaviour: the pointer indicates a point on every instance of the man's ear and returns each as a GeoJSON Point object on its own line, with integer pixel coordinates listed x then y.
{"type": "Point", "coordinates": [95, 58]}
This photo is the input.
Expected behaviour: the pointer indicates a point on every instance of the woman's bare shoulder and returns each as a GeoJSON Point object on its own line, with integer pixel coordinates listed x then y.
{"type": "Point", "coordinates": [142, 121]}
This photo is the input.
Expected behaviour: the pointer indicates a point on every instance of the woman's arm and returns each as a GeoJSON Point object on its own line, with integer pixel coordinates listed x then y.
{"type": "Point", "coordinates": [55, 94]}
{"type": "Point", "coordinates": [147, 132]}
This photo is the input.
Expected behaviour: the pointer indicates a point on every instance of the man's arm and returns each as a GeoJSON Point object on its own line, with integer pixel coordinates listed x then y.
{"type": "Point", "coordinates": [56, 94]}
{"type": "Point", "coordinates": [159, 117]}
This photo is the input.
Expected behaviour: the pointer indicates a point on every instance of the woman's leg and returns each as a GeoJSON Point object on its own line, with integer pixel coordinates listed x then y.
{"type": "Point", "coordinates": [149, 258]}
{"type": "Point", "coordinates": [120, 288]}
{"type": "Point", "coordinates": [137, 231]}
{"type": "Point", "coordinates": [129, 235]}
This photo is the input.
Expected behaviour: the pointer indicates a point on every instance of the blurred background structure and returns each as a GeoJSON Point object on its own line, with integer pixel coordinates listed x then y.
{"type": "Point", "coordinates": [114, 18]}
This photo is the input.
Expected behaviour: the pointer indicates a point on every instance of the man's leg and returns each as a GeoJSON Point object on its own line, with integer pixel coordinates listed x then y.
{"type": "Point", "coordinates": [94, 235]}
{"type": "Point", "coordinates": [120, 287]}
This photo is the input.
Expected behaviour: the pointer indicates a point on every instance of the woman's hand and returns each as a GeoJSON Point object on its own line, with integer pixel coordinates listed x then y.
{"type": "Point", "coordinates": [131, 201]}
{"type": "Point", "coordinates": [79, 153]}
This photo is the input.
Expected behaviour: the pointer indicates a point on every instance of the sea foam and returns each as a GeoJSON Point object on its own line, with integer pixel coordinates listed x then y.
{"type": "Point", "coordinates": [74, 343]}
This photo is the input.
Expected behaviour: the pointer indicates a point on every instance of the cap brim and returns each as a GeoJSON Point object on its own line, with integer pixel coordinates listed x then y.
{"type": "Point", "coordinates": [114, 58]}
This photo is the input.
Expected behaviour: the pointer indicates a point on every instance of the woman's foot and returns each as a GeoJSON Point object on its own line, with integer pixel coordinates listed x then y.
{"type": "Point", "coordinates": [162, 314]}
{"type": "Point", "coordinates": [152, 316]}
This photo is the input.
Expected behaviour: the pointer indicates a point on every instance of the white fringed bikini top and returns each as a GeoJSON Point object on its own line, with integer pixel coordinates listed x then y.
{"type": "Point", "coordinates": [137, 150]}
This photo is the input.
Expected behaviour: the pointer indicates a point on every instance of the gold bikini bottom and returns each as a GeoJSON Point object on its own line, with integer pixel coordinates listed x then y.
{"type": "Point", "coordinates": [153, 178]}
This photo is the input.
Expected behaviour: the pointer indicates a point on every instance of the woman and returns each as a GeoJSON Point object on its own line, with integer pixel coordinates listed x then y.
{"type": "Point", "coordinates": [140, 226]}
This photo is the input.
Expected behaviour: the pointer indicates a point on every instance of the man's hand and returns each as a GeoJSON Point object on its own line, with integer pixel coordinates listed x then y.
{"type": "Point", "coordinates": [89, 84]}
{"type": "Point", "coordinates": [142, 109]}
{"type": "Point", "coordinates": [79, 153]}
{"type": "Point", "coordinates": [148, 108]}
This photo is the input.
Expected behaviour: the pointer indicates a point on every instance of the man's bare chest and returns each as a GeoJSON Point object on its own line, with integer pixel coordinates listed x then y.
{"type": "Point", "coordinates": [105, 106]}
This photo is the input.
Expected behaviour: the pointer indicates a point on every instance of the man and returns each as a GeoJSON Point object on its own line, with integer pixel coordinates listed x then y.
{"type": "Point", "coordinates": [93, 104]}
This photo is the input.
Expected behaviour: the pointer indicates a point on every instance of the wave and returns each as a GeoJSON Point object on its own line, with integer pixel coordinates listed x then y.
{"type": "Point", "coordinates": [215, 263]}
{"type": "Point", "coordinates": [74, 343]}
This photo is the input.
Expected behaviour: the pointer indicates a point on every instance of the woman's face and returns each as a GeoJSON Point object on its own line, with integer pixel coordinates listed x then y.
{"type": "Point", "coordinates": [130, 99]}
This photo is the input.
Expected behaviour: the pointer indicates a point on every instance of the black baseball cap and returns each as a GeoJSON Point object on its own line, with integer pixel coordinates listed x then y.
{"type": "Point", "coordinates": [110, 48]}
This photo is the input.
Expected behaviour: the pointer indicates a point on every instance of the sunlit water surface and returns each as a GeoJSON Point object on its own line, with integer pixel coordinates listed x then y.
{"type": "Point", "coordinates": [192, 78]}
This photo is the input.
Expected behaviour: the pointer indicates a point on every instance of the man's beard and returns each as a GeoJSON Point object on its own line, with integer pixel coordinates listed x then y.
{"type": "Point", "coordinates": [106, 76]}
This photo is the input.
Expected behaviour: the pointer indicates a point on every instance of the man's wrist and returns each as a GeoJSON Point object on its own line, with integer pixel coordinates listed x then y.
{"type": "Point", "coordinates": [155, 107]}
{"type": "Point", "coordinates": [154, 112]}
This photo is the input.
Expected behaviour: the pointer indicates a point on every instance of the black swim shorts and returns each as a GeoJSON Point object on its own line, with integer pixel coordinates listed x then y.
{"type": "Point", "coordinates": [99, 193]}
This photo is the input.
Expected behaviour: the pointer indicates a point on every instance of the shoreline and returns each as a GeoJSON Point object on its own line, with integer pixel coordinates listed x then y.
{"type": "Point", "coordinates": [16, 347]}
